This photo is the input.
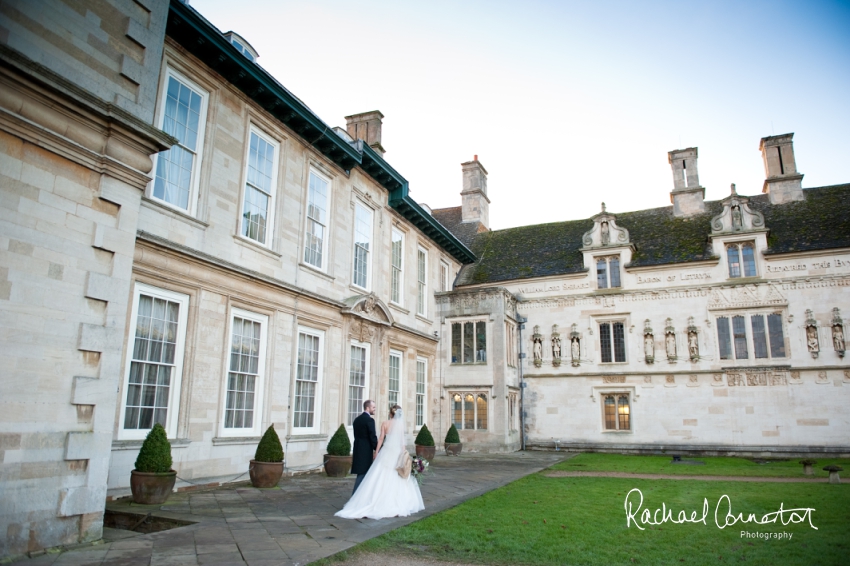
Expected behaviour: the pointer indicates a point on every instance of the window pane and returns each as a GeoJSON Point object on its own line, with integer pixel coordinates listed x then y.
{"type": "Point", "coordinates": [759, 337]}
{"type": "Point", "coordinates": [362, 244]}
{"type": "Point", "coordinates": [601, 274]}
{"type": "Point", "coordinates": [356, 383]}
{"type": "Point", "coordinates": [739, 333]}
{"type": "Point", "coordinates": [307, 374]}
{"type": "Point", "coordinates": [457, 411]}
{"type": "Point", "coordinates": [481, 341]}
{"type": "Point", "coordinates": [777, 340]}
{"type": "Point", "coordinates": [469, 412]}
{"type": "Point", "coordinates": [749, 260]}
{"type": "Point", "coordinates": [724, 339]}
{"type": "Point", "coordinates": [468, 342]}
{"type": "Point", "coordinates": [420, 392]}
{"type": "Point", "coordinates": [241, 379]}
{"type": "Point", "coordinates": [396, 266]}
{"type": "Point", "coordinates": [395, 377]}
{"type": "Point", "coordinates": [317, 205]}
{"type": "Point", "coordinates": [610, 413]}
{"type": "Point", "coordinates": [481, 420]}
{"type": "Point", "coordinates": [734, 261]}
{"type": "Point", "coordinates": [619, 342]}
{"type": "Point", "coordinates": [623, 412]}
{"type": "Point", "coordinates": [614, 266]}
{"type": "Point", "coordinates": [605, 341]}
{"type": "Point", "coordinates": [421, 275]}
{"type": "Point", "coordinates": [456, 342]}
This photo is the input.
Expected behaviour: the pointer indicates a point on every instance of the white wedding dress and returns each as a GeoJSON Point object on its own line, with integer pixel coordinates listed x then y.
{"type": "Point", "coordinates": [384, 493]}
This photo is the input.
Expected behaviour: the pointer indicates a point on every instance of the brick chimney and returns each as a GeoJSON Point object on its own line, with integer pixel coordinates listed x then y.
{"type": "Point", "coordinates": [688, 197]}
{"type": "Point", "coordinates": [476, 205]}
{"type": "Point", "coordinates": [367, 127]}
{"type": "Point", "coordinates": [782, 182]}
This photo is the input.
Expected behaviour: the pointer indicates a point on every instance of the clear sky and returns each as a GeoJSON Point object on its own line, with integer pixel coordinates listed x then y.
{"type": "Point", "coordinates": [568, 104]}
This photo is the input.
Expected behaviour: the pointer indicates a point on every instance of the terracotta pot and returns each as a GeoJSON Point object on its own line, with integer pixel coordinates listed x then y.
{"type": "Point", "coordinates": [265, 474]}
{"type": "Point", "coordinates": [151, 489]}
{"type": "Point", "coordinates": [453, 449]}
{"type": "Point", "coordinates": [337, 466]}
{"type": "Point", "coordinates": [426, 452]}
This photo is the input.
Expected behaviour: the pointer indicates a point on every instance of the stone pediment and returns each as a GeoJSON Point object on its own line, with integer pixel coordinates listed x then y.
{"type": "Point", "coordinates": [370, 308]}
{"type": "Point", "coordinates": [744, 297]}
{"type": "Point", "coordinates": [736, 216]}
{"type": "Point", "coordinates": [605, 232]}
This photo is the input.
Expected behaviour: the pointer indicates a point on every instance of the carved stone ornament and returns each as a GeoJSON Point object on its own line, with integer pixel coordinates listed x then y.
{"type": "Point", "coordinates": [736, 216]}
{"type": "Point", "coordinates": [575, 346]}
{"type": "Point", "coordinates": [837, 332]}
{"type": "Point", "coordinates": [812, 341]}
{"type": "Point", "coordinates": [556, 346]}
{"type": "Point", "coordinates": [605, 232]}
{"type": "Point", "coordinates": [537, 347]}
{"type": "Point", "coordinates": [693, 340]}
{"type": "Point", "coordinates": [670, 340]}
{"type": "Point", "coordinates": [648, 342]}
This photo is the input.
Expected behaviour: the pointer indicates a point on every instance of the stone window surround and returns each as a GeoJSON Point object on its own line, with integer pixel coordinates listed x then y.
{"type": "Point", "coordinates": [259, 386]}
{"type": "Point", "coordinates": [603, 397]}
{"type": "Point", "coordinates": [597, 321]}
{"type": "Point", "coordinates": [424, 395]}
{"type": "Point", "coordinates": [748, 326]}
{"type": "Point", "coordinates": [475, 392]}
{"type": "Point", "coordinates": [270, 220]}
{"type": "Point", "coordinates": [370, 252]}
{"type": "Point", "coordinates": [175, 385]}
{"type": "Point", "coordinates": [463, 320]}
{"type": "Point", "coordinates": [350, 409]}
{"type": "Point", "coordinates": [739, 245]}
{"type": "Point", "coordinates": [315, 168]}
{"type": "Point", "coordinates": [399, 354]}
{"type": "Point", "coordinates": [317, 400]}
{"type": "Point", "coordinates": [601, 391]}
{"type": "Point", "coordinates": [400, 302]}
{"type": "Point", "coordinates": [607, 258]}
{"type": "Point", "coordinates": [169, 71]}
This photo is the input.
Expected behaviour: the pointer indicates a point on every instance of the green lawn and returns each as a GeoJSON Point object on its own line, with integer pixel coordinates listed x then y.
{"type": "Point", "coordinates": [542, 520]}
{"type": "Point", "coordinates": [714, 466]}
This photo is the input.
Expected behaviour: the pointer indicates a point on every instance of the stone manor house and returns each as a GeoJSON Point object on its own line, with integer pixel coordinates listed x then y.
{"type": "Point", "coordinates": [185, 242]}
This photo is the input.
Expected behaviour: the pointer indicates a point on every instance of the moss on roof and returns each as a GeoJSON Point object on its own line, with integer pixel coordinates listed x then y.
{"type": "Point", "coordinates": [821, 221]}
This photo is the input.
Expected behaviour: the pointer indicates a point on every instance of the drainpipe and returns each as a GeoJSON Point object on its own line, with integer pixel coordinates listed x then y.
{"type": "Point", "coordinates": [521, 324]}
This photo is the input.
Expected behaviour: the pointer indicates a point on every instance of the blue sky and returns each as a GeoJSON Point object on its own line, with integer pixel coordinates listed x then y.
{"type": "Point", "coordinates": [568, 103]}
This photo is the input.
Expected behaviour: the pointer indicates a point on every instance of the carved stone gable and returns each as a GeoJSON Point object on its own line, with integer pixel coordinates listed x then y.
{"type": "Point", "coordinates": [605, 232]}
{"type": "Point", "coordinates": [736, 216]}
{"type": "Point", "coordinates": [746, 297]}
{"type": "Point", "coordinates": [368, 307]}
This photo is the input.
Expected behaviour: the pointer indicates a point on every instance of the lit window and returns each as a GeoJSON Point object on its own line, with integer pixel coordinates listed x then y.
{"type": "Point", "coordinates": [469, 342]}
{"type": "Point", "coordinates": [612, 341]}
{"type": "Point", "coordinates": [469, 410]}
{"type": "Point", "coordinates": [422, 286]}
{"type": "Point", "coordinates": [155, 365]}
{"type": "Point", "coordinates": [394, 387]}
{"type": "Point", "coordinates": [183, 113]}
{"type": "Point", "coordinates": [765, 331]}
{"type": "Point", "coordinates": [741, 258]}
{"type": "Point", "coordinates": [245, 372]}
{"type": "Point", "coordinates": [607, 272]}
{"type": "Point", "coordinates": [617, 413]}
{"type": "Point", "coordinates": [421, 381]}
{"type": "Point", "coordinates": [357, 380]}
{"type": "Point", "coordinates": [308, 376]}
{"type": "Point", "coordinates": [317, 219]}
{"type": "Point", "coordinates": [362, 245]}
{"type": "Point", "coordinates": [258, 204]}
{"type": "Point", "coordinates": [397, 267]}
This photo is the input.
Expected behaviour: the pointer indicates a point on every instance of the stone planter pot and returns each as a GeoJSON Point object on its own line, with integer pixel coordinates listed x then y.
{"type": "Point", "coordinates": [151, 489]}
{"type": "Point", "coordinates": [453, 449]}
{"type": "Point", "coordinates": [265, 474]}
{"type": "Point", "coordinates": [426, 452]}
{"type": "Point", "coordinates": [337, 466]}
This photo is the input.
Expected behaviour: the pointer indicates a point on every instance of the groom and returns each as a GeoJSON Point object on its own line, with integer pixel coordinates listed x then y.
{"type": "Point", "coordinates": [365, 443]}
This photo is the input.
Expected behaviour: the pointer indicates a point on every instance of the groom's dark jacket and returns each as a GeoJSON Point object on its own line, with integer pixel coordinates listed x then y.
{"type": "Point", "coordinates": [365, 441]}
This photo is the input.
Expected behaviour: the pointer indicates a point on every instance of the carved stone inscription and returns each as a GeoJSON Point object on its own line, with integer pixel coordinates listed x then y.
{"type": "Point", "coordinates": [758, 378]}
{"type": "Point", "coordinates": [613, 379]}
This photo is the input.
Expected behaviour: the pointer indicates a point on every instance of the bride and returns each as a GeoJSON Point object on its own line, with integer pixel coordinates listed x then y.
{"type": "Point", "coordinates": [383, 492]}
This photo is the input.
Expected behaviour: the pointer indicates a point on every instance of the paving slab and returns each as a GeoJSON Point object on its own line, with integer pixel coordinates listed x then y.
{"type": "Point", "coordinates": [293, 523]}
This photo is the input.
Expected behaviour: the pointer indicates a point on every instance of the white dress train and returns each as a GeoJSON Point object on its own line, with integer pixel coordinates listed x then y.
{"type": "Point", "coordinates": [384, 493]}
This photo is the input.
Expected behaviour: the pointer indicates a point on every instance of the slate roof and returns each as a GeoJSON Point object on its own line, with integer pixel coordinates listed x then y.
{"type": "Point", "coordinates": [821, 221]}
{"type": "Point", "coordinates": [452, 219]}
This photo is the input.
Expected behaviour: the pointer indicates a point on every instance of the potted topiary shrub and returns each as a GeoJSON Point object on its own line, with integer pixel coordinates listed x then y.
{"type": "Point", "coordinates": [153, 479]}
{"type": "Point", "coordinates": [425, 444]}
{"type": "Point", "coordinates": [267, 466]}
{"type": "Point", "coordinates": [338, 458]}
{"type": "Point", "coordinates": [453, 444]}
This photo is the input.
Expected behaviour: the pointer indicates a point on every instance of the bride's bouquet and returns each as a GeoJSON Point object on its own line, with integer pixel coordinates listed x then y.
{"type": "Point", "coordinates": [418, 468]}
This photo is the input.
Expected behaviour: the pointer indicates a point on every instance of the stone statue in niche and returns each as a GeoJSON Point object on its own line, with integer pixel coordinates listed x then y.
{"type": "Point", "coordinates": [605, 235]}
{"type": "Point", "coordinates": [556, 346]}
{"type": "Point", "coordinates": [693, 345]}
{"type": "Point", "coordinates": [575, 345]}
{"type": "Point", "coordinates": [537, 348]}
{"type": "Point", "coordinates": [812, 341]}
{"type": "Point", "coordinates": [648, 343]}
{"type": "Point", "coordinates": [837, 332]}
{"type": "Point", "coordinates": [737, 223]}
{"type": "Point", "coordinates": [670, 340]}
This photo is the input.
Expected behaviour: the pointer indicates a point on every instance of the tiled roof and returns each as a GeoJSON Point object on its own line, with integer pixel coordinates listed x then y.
{"type": "Point", "coordinates": [452, 219]}
{"type": "Point", "coordinates": [821, 221]}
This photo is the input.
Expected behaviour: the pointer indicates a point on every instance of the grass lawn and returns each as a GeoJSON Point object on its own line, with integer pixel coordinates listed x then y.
{"type": "Point", "coordinates": [542, 520]}
{"type": "Point", "coordinates": [714, 466]}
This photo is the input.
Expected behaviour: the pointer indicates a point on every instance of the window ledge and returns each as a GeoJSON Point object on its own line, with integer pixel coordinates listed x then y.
{"type": "Point", "coordinates": [176, 213]}
{"type": "Point", "coordinates": [359, 290]}
{"type": "Point", "coordinates": [227, 440]}
{"type": "Point", "coordinates": [316, 271]}
{"type": "Point", "coordinates": [617, 432]}
{"type": "Point", "coordinates": [423, 319]}
{"type": "Point", "coordinates": [468, 364]}
{"type": "Point", "coordinates": [240, 239]}
{"type": "Point", "coordinates": [399, 308]}
{"type": "Point", "coordinates": [609, 291]}
{"type": "Point", "coordinates": [136, 444]}
{"type": "Point", "coordinates": [306, 437]}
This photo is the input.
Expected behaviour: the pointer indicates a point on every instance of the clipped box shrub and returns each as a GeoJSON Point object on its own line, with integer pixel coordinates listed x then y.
{"type": "Point", "coordinates": [155, 454]}
{"type": "Point", "coordinates": [269, 449]}
{"type": "Point", "coordinates": [339, 444]}
{"type": "Point", "coordinates": [424, 437]}
{"type": "Point", "coordinates": [452, 437]}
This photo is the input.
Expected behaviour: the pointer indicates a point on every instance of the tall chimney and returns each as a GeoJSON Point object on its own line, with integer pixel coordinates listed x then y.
{"type": "Point", "coordinates": [688, 197]}
{"type": "Point", "coordinates": [366, 126]}
{"type": "Point", "coordinates": [476, 205]}
{"type": "Point", "coordinates": [782, 182]}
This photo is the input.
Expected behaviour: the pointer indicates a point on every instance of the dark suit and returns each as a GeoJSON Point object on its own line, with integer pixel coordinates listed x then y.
{"type": "Point", "coordinates": [365, 442]}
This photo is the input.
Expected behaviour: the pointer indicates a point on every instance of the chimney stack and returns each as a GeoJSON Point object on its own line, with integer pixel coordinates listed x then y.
{"type": "Point", "coordinates": [782, 182]}
{"type": "Point", "coordinates": [476, 205]}
{"type": "Point", "coordinates": [688, 197]}
{"type": "Point", "coordinates": [366, 126]}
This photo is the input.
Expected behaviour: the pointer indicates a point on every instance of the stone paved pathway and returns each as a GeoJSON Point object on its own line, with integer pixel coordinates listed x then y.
{"type": "Point", "coordinates": [293, 524]}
